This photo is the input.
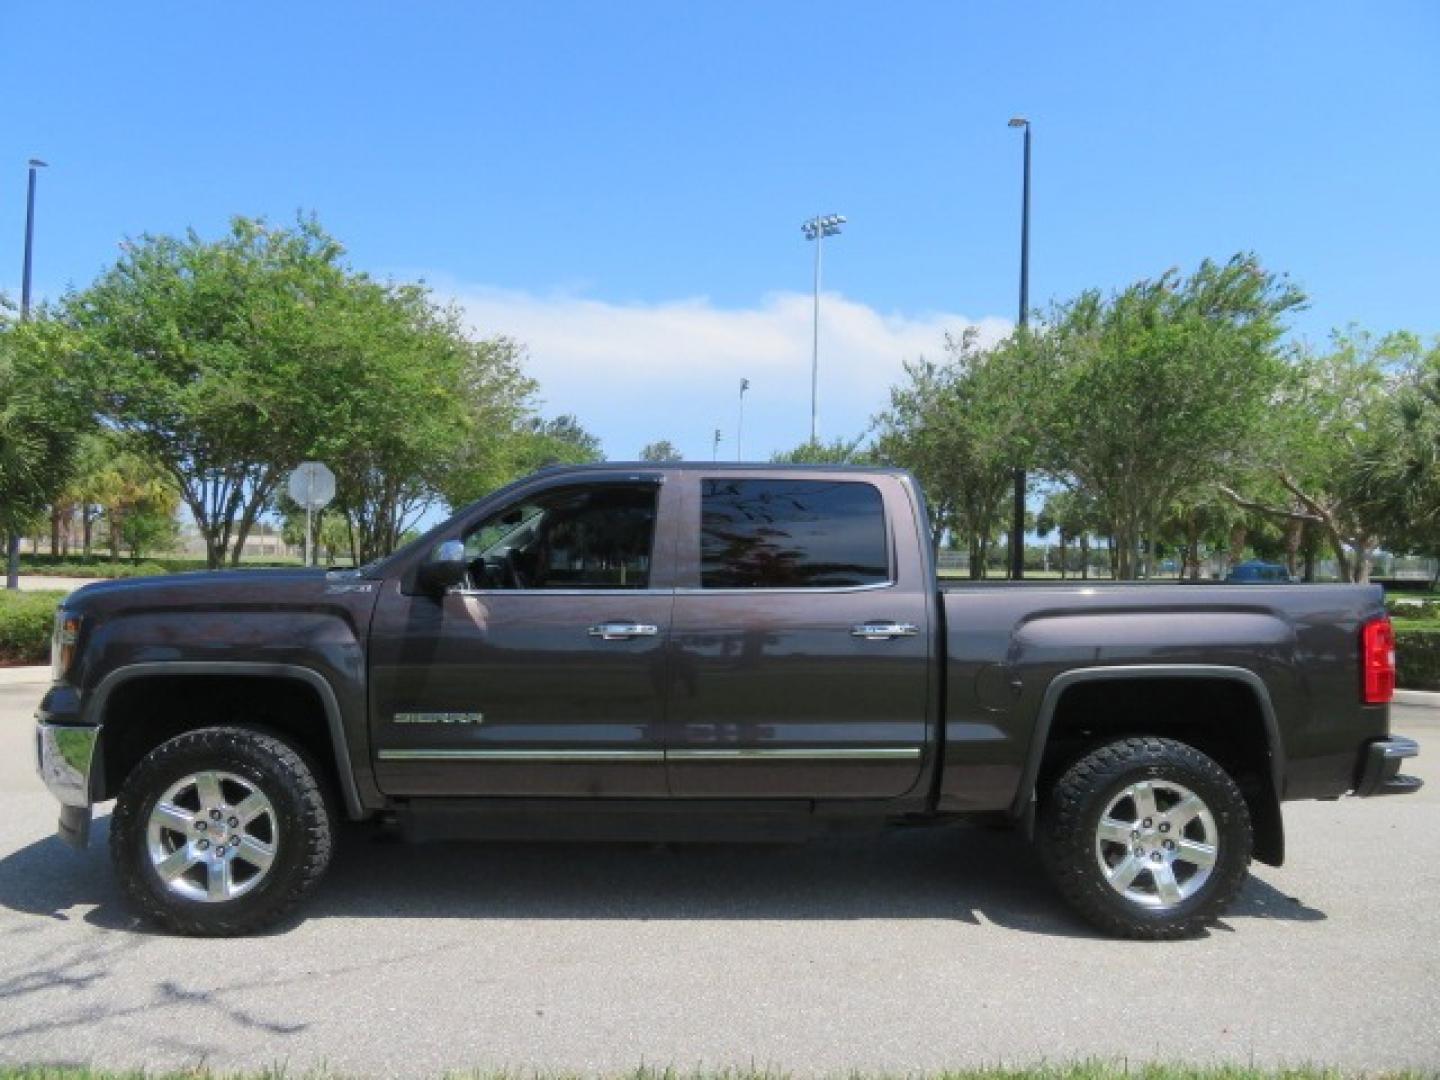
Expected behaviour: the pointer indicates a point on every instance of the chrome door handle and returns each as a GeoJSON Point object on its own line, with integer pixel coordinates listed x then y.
{"type": "Point", "coordinates": [622, 631]}
{"type": "Point", "coordinates": [881, 631]}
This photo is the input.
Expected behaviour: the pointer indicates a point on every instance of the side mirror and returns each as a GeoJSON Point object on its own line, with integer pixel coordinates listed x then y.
{"type": "Point", "coordinates": [444, 569]}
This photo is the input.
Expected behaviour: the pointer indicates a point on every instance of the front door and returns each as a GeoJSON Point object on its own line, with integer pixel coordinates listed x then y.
{"type": "Point", "coordinates": [801, 640]}
{"type": "Point", "coordinates": [545, 674]}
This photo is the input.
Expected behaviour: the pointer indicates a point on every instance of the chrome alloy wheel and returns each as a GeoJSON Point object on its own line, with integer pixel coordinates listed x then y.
{"type": "Point", "coordinates": [212, 836]}
{"type": "Point", "coordinates": [1156, 843]}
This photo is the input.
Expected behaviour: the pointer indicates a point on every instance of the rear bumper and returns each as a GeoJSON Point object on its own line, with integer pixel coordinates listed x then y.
{"type": "Point", "coordinates": [1380, 767]}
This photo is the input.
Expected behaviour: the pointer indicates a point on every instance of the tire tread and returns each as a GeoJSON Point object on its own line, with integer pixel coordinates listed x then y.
{"type": "Point", "coordinates": [127, 828]}
{"type": "Point", "coordinates": [1065, 842]}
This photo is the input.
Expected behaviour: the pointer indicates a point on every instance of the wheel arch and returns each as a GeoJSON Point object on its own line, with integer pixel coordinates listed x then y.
{"type": "Point", "coordinates": [1263, 796]}
{"type": "Point", "coordinates": [100, 708]}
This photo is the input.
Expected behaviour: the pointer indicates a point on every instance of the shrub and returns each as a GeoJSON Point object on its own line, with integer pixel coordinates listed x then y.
{"type": "Point", "coordinates": [1415, 610]}
{"type": "Point", "coordinates": [1417, 655]}
{"type": "Point", "coordinates": [99, 566]}
{"type": "Point", "coordinates": [26, 620]}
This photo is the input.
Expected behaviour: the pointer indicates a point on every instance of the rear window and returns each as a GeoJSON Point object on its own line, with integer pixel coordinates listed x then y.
{"type": "Point", "coordinates": [791, 534]}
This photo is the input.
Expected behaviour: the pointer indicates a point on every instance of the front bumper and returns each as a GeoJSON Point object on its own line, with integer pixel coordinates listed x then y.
{"type": "Point", "coordinates": [1380, 767]}
{"type": "Point", "coordinates": [64, 756]}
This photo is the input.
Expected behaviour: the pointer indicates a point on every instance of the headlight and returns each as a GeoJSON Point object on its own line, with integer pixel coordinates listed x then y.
{"type": "Point", "coordinates": [62, 645]}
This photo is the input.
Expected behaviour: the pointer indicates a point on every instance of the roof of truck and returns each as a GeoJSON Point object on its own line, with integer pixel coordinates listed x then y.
{"type": "Point", "coordinates": [711, 466]}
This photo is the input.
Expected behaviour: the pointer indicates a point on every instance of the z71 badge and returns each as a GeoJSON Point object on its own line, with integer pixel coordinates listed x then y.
{"type": "Point", "coordinates": [439, 718]}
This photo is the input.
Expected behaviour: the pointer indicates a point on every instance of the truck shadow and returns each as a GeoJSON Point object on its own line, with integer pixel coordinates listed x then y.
{"type": "Point", "coordinates": [966, 875]}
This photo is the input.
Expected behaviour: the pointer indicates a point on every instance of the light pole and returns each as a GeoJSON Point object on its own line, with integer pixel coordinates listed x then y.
{"type": "Point", "coordinates": [35, 165]}
{"type": "Point", "coordinates": [740, 424]}
{"type": "Point", "coordinates": [12, 553]}
{"type": "Point", "coordinates": [817, 229]}
{"type": "Point", "coordinates": [1017, 524]}
{"type": "Point", "coordinates": [715, 446]}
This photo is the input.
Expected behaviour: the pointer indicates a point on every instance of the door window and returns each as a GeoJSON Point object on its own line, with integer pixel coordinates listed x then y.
{"type": "Point", "coordinates": [589, 537]}
{"type": "Point", "coordinates": [788, 534]}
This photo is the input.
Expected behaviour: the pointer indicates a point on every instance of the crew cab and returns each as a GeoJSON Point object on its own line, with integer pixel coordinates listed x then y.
{"type": "Point", "coordinates": [705, 652]}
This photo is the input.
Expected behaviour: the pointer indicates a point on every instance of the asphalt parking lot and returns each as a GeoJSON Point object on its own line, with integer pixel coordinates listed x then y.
{"type": "Point", "coordinates": [909, 952]}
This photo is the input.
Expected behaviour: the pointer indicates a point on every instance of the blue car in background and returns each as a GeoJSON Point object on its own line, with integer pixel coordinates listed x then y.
{"type": "Point", "coordinates": [1256, 572]}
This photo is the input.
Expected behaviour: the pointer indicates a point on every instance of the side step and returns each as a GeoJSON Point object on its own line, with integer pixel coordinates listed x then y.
{"type": "Point", "coordinates": [624, 820]}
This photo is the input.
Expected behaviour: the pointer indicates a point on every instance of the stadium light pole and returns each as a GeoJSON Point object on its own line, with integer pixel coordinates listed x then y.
{"type": "Point", "coordinates": [35, 165]}
{"type": "Point", "coordinates": [740, 423]}
{"type": "Point", "coordinates": [1017, 523]}
{"type": "Point", "coordinates": [817, 229]}
{"type": "Point", "coordinates": [12, 543]}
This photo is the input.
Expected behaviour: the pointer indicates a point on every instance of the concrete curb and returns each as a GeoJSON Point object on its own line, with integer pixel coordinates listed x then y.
{"type": "Point", "coordinates": [39, 675]}
{"type": "Point", "coordinates": [1426, 698]}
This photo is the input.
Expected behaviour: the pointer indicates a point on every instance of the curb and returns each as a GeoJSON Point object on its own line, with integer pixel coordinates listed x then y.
{"type": "Point", "coordinates": [1425, 698]}
{"type": "Point", "coordinates": [39, 675]}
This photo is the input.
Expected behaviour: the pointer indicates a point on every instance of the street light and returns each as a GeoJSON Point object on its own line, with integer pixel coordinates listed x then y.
{"type": "Point", "coordinates": [817, 229]}
{"type": "Point", "coordinates": [12, 546]}
{"type": "Point", "coordinates": [35, 164]}
{"type": "Point", "coordinates": [740, 425]}
{"type": "Point", "coordinates": [1017, 524]}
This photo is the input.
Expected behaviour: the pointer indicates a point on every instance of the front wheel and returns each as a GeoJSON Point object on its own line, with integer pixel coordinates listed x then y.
{"type": "Point", "coordinates": [1147, 838]}
{"type": "Point", "coordinates": [219, 832]}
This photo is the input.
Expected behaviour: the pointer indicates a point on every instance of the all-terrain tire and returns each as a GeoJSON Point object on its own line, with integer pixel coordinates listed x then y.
{"type": "Point", "coordinates": [1070, 824]}
{"type": "Point", "coordinates": [298, 818]}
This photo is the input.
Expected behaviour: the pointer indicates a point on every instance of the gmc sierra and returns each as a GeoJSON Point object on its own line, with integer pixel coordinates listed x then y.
{"type": "Point", "coordinates": [712, 652]}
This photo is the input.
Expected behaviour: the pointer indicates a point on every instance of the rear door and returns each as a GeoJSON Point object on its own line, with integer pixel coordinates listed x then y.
{"type": "Point", "coordinates": [800, 640]}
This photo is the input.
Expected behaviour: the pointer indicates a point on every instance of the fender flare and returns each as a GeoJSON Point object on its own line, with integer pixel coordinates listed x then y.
{"type": "Point", "coordinates": [94, 709]}
{"type": "Point", "coordinates": [1270, 848]}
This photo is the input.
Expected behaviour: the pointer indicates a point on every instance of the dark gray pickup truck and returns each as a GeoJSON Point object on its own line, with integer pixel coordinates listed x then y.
{"type": "Point", "coordinates": [672, 653]}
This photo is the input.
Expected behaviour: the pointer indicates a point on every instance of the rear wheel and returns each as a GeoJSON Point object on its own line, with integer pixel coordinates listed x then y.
{"type": "Point", "coordinates": [1147, 838]}
{"type": "Point", "coordinates": [219, 832]}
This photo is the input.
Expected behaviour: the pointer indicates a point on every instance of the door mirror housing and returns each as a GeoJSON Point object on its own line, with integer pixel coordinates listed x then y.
{"type": "Point", "coordinates": [444, 569]}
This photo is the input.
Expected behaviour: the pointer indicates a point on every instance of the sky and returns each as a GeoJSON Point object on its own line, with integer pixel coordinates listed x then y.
{"type": "Point", "coordinates": [620, 187]}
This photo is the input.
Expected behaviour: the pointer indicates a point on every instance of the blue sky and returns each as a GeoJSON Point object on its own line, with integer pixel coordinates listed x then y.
{"type": "Point", "coordinates": [620, 186]}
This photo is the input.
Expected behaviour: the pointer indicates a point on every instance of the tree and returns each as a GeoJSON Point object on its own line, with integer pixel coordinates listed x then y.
{"type": "Point", "coordinates": [558, 441]}
{"type": "Point", "coordinates": [662, 452]}
{"type": "Point", "coordinates": [1071, 515]}
{"type": "Point", "coordinates": [136, 497]}
{"type": "Point", "coordinates": [839, 451]}
{"type": "Point", "coordinates": [219, 359]}
{"type": "Point", "coordinates": [1397, 473]}
{"type": "Point", "coordinates": [960, 426]}
{"type": "Point", "coordinates": [43, 415]}
{"type": "Point", "coordinates": [423, 413]}
{"type": "Point", "coordinates": [1160, 388]}
{"type": "Point", "coordinates": [1351, 447]}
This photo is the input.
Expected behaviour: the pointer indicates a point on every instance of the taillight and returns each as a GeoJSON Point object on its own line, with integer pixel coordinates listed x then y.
{"type": "Point", "coordinates": [1377, 662]}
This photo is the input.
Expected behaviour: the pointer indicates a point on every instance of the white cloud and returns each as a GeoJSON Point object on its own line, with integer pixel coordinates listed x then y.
{"type": "Point", "coordinates": [634, 373]}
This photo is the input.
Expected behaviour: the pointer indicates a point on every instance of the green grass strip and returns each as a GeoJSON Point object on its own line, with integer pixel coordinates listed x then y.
{"type": "Point", "coordinates": [1074, 1071]}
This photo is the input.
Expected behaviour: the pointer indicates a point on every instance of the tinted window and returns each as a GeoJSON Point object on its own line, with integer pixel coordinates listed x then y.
{"type": "Point", "coordinates": [787, 534]}
{"type": "Point", "coordinates": [568, 538]}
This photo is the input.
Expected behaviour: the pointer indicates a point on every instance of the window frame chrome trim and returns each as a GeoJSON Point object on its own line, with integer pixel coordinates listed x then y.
{"type": "Point", "coordinates": [787, 590]}
{"type": "Point", "coordinates": [559, 592]}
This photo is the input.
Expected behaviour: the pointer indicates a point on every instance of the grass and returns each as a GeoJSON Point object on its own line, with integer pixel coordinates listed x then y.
{"type": "Point", "coordinates": [1075, 1071]}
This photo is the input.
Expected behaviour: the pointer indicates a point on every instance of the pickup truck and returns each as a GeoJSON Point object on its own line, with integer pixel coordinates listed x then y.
{"type": "Point", "coordinates": [758, 653]}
